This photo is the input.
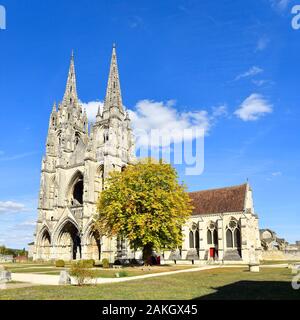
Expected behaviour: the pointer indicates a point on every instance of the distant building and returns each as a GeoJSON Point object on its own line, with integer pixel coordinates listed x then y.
{"type": "Point", "coordinates": [270, 241]}
{"type": "Point", "coordinates": [21, 259]}
{"type": "Point", "coordinates": [275, 248]}
{"type": "Point", "coordinates": [6, 258]}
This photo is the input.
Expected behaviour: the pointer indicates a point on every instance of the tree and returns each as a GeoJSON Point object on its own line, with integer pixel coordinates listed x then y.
{"type": "Point", "coordinates": [146, 205]}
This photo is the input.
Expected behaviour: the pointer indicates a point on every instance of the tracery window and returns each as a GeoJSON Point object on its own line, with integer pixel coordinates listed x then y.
{"type": "Point", "coordinates": [233, 234]}
{"type": "Point", "coordinates": [194, 237]}
{"type": "Point", "coordinates": [212, 233]}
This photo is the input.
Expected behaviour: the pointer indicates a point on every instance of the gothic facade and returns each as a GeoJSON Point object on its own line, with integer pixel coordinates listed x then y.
{"type": "Point", "coordinates": [74, 169]}
{"type": "Point", "coordinates": [223, 227]}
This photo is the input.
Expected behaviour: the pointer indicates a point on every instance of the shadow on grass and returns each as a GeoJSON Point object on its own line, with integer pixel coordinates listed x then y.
{"type": "Point", "coordinates": [254, 290]}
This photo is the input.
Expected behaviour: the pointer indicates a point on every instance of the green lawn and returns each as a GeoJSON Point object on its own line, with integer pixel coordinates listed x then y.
{"type": "Point", "coordinates": [266, 262]}
{"type": "Point", "coordinates": [35, 270]}
{"type": "Point", "coordinates": [105, 273]}
{"type": "Point", "coordinates": [222, 283]}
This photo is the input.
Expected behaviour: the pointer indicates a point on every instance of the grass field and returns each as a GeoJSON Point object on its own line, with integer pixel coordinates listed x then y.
{"type": "Point", "coordinates": [100, 272]}
{"type": "Point", "coordinates": [267, 262]}
{"type": "Point", "coordinates": [223, 283]}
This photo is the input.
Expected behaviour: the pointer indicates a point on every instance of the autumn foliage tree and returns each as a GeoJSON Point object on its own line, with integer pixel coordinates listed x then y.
{"type": "Point", "coordinates": [146, 205]}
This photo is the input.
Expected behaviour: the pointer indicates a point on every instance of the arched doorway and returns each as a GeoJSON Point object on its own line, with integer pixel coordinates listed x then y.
{"type": "Point", "coordinates": [69, 242]}
{"type": "Point", "coordinates": [45, 245]}
{"type": "Point", "coordinates": [93, 245]}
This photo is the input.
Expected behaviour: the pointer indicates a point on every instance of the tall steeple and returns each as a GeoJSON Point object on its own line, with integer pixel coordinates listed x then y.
{"type": "Point", "coordinates": [70, 95]}
{"type": "Point", "coordinates": [113, 92]}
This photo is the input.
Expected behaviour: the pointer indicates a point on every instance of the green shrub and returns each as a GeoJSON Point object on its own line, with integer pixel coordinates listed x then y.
{"type": "Point", "coordinates": [123, 274]}
{"type": "Point", "coordinates": [105, 263]}
{"type": "Point", "coordinates": [59, 263]}
{"type": "Point", "coordinates": [90, 263]}
{"type": "Point", "coordinates": [81, 272]}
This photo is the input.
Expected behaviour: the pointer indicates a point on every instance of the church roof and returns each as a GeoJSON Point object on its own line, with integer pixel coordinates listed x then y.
{"type": "Point", "coordinates": [229, 199]}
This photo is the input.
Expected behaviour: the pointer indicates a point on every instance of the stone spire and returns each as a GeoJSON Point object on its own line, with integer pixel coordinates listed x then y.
{"type": "Point", "coordinates": [113, 93]}
{"type": "Point", "coordinates": [71, 93]}
{"type": "Point", "coordinates": [54, 107]}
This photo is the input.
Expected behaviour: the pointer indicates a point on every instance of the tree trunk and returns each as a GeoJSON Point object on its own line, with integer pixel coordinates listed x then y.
{"type": "Point", "coordinates": [147, 253]}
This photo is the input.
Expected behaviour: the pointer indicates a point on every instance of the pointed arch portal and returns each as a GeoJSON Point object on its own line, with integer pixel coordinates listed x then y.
{"type": "Point", "coordinates": [45, 244]}
{"type": "Point", "coordinates": [69, 242]}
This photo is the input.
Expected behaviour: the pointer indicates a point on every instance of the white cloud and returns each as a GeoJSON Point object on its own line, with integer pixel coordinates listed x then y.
{"type": "Point", "coordinates": [254, 107]}
{"type": "Point", "coordinates": [262, 43]}
{"type": "Point", "coordinates": [10, 206]}
{"type": "Point", "coordinates": [92, 109]}
{"type": "Point", "coordinates": [250, 73]}
{"type": "Point", "coordinates": [17, 156]}
{"type": "Point", "coordinates": [163, 116]}
{"type": "Point", "coordinates": [277, 174]}
{"type": "Point", "coordinates": [280, 5]}
{"type": "Point", "coordinates": [260, 83]}
{"type": "Point", "coordinates": [219, 111]}
{"type": "Point", "coordinates": [158, 115]}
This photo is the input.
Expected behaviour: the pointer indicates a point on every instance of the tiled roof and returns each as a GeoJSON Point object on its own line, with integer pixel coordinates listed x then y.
{"type": "Point", "coordinates": [229, 199]}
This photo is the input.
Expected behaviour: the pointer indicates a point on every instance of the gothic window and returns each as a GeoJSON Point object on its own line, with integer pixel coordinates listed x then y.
{"type": "Point", "coordinates": [78, 191]}
{"type": "Point", "coordinates": [106, 136]}
{"type": "Point", "coordinates": [212, 234]}
{"type": "Point", "coordinates": [209, 237]}
{"type": "Point", "coordinates": [71, 88]}
{"type": "Point", "coordinates": [215, 236]}
{"type": "Point", "coordinates": [121, 244]}
{"type": "Point", "coordinates": [229, 239]}
{"type": "Point", "coordinates": [99, 179]}
{"type": "Point", "coordinates": [233, 235]}
{"type": "Point", "coordinates": [59, 138]}
{"type": "Point", "coordinates": [191, 236]}
{"type": "Point", "coordinates": [77, 138]}
{"type": "Point", "coordinates": [197, 239]}
{"type": "Point", "coordinates": [237, 238]}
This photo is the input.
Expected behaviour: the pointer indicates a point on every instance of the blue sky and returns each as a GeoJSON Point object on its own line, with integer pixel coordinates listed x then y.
{"type": "Point", "coordinates": [234, 63]}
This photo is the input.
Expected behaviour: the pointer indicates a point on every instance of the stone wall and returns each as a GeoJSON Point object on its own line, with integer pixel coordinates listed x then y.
{"type": "Point", "coordinates": [281, 255]}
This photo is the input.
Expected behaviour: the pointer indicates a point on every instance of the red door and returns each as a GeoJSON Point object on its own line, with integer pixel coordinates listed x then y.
{"type": "Point", "coordinates": [212, 252]}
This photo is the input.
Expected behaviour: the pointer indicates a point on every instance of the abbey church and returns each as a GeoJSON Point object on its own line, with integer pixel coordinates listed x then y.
{"type": "Point", "coordinates": [223, 227]}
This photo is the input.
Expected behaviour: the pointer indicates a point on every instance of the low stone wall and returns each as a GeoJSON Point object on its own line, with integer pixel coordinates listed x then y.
{"type": "Point", "coordinates": [281, 255]}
